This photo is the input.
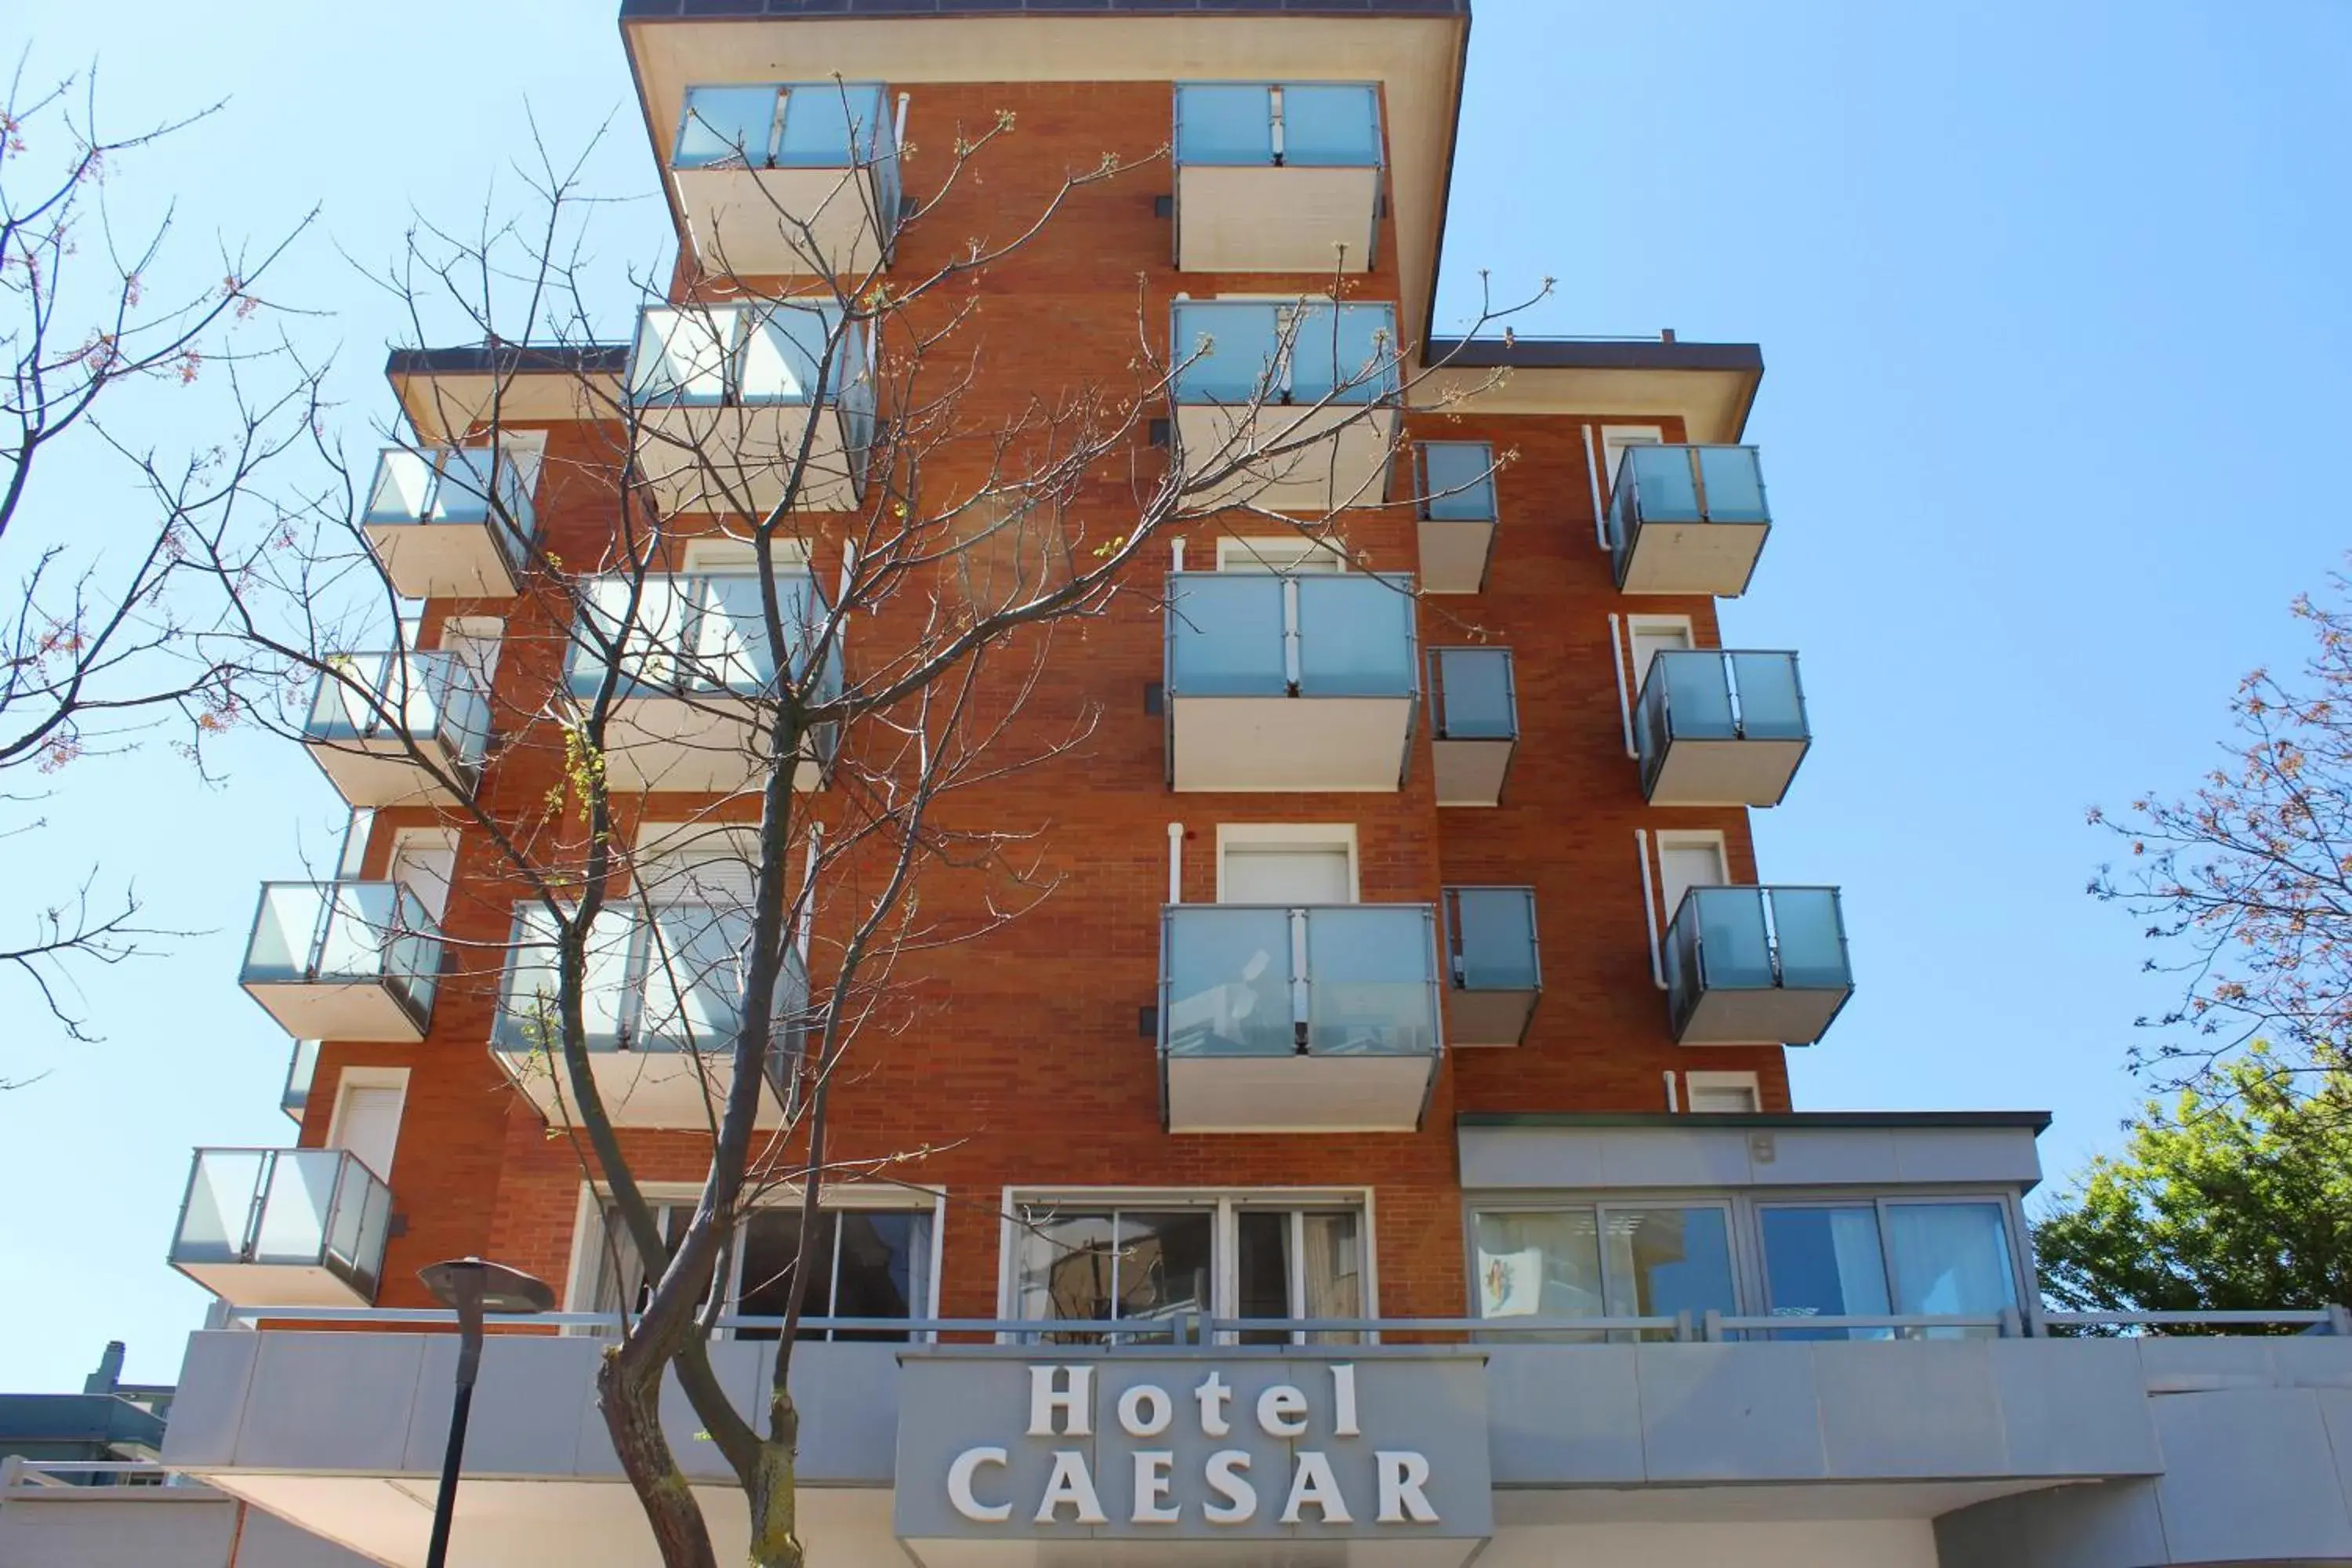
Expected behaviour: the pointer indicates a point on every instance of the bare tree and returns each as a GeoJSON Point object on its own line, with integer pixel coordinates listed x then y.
{"type": "Point", "coordinates": [898, 564]}
{"type": "Point", "coordinates": [105, 335]}
{"type": "Point", "coordinates": [2246, 885]}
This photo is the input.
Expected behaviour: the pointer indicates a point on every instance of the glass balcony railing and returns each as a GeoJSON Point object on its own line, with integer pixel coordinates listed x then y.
{"type": "Point", "coordinates": [1706, 695]}
{"type": "Point", "coordinates": [1471, 694]}
{"type": "Point", "coordinates": [700, 635]}
{"type": "Point", "coordinates": [747, 356]}
{"type": "Point", "coordinates": [1668, 485]}
{"type": "Point", "coordinates": [793, 125]}
{"type": "Point", "coordinates": [1490, 938]}
{"type": "Point", "coordinates": [283, 1208]}
{"type": "Point", "coordinates": [477, 485]}
{"type": "Point", "coordinates": [346, 933]}
{"type": "Point", "coordinates": [301, 1069]}
{"type": "Point", "coordinates": [1757, 941]}
{"type": "Point", "coordinates": [1257, 634]}
{"type": "Point", "coordinates": [422, 697]}
{"type": "Point", "coordinates": [1244, 351]}
{"type": "Point", "coordinates": [1254, 980]}
{"type": "Point", "coordinates": [668, 982]}
{"type": "Point", "coordinates": [1454, 482]}
{"type": "Point", "coordinates": [1286, 124]}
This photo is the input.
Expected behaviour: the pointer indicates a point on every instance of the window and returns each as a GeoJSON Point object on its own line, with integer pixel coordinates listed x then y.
{"type": "Point", "coordinates": [1159, 1258]}
{"type": "Point", "coordinates": [1287, 556]}
{"type": "Point", "coordinates": [366, 1121]}
{"type": "Point", "coordinates": [1615, 439]}
{"type": "Point", "coordinates": [1721, 1093]}
{"type": "Point", "coordinates": [1604, 1260]}
{"type": "Point", "coordinates": [1273, 864]}
{"type": "Point", "coordinates": [424, 859]}
{"type": "Point", "coordinates": [1687, 860]}
{"type": "Point", "coordinates": [1650, 636]}
{"type": "Point", "coordinates": [877, 1263]}
{"type": "Point", "coordinates": [1887, 1257]}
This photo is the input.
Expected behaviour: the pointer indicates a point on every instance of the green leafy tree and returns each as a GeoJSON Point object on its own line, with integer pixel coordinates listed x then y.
{"type": "Point", "coordinates": [2239, 1197]}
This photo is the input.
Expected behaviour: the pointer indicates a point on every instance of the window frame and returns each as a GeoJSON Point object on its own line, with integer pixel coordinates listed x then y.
{"type": "Point", "coordinates": [1224, 1205]}
{"type": "Point", "coordinates": [586, 1266]}
{"type": "Point", "coordinates": [1300, 834]}
{"type": "Point", "coordinates": [1602, 1206]}
{"type": "Point", "coordinates": [1253, 554]}
{"type": "Point", "coordinates": [1750, 1280]}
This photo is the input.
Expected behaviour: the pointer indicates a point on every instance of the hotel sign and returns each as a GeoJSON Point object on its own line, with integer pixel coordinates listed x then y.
{"type": "Point", "coordinates": [1107, 1447]}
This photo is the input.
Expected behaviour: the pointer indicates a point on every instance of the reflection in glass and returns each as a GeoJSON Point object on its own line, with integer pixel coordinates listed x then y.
{"type": "Point", "coordinates": [1825, 1262]}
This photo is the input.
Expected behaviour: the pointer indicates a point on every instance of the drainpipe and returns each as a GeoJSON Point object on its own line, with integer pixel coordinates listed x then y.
{"type": "Point", "coordinates": [1176, 547]}
{"type": "Point", "coordinates": [1674, 1100]}
{"type": "Point", "coordinates": [1624, 704]}
{"type": "Point", "coordinates": [1592, 478]}
{"type": "Point", "coordinates": [1175, 862]}
{"type": "Point", "coordinates": [1649, 906]}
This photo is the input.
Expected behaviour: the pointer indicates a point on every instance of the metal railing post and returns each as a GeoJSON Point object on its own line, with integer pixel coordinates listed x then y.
{"type": "Point", "coordinates": [2339, 1320]}
{"type": "Point", "coordinates": [2012, 1326]}
{"type": "Point", "coordinates": [252, 1238]}
{"type": "Point", "coordinates": [1683, 1327]}
{"type": "Point", "coordinates": [1711, 1327]}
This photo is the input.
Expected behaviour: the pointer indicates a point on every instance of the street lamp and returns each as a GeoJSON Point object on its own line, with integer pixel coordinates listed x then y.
{"type": "Point", "coordinates": [471, 1287]}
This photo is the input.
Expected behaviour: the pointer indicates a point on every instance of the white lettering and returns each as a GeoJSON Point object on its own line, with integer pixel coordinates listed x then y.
{"type": "Point", "coordinates": [1131, 1417]}
{"type": "Point", "coordinates": [959, 1491]}
{"type": "Point", "coordinates": [1282, 1412]}
{"type": "Point", "coordinates": [1044, 1399]}
{"type": "Point", "coordinates": [1151, 1484]}
{"type": "Point", "coordinates": [1313, 1482]}
{"type": "Point", "coordinates": [1070, 1483]}
{"type": "Point", "coordinates": [1225, 1479]}
{"type": "Point", "coordinates": [1402, 1475]}
{"type": "Point", "coordinates": [1343, 1400]}
{"type": "Point", "coordinates": [1213, 1394]}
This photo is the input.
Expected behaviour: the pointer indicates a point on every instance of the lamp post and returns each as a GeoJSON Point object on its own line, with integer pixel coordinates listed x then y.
{"type": "Point", "coordinates": [471, 1287]}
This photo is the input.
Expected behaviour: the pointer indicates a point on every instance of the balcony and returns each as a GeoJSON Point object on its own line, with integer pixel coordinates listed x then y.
{"type": "Point", "coordinates": [1718, 728]}
{"type": "Point", "coordinates": [723, 397]}
{"type": "Point", "coordinates": [660, 1005]}
{"type": "Point", "coordinates": [1277, 177]}
{"type": "Point", "coordinates": [452, 522]}
{"type": "Point", "coordinates": [1289, 683]}
{"type": "Point", "coordinates": [343, 961]}
{"type": "Point", "coordinates": [399, 729]}
{"type": "Point", "coordinates": [695, 670]}
{"type": "Point", "coordinates": [301, 1069]}
{"type": "Point", "coordinates": [1454, 484]}
{"type": "Point", "coordinates": [788, 179]}
{"type": "Point", "coordinates": [1297, 1020]}
{"type": "Point", "coordinates": [283, 1227]}
{"type": "Point", "coordinates": [1755, 965]}
{"type": "Point", "coordinates": [1291, 408]}
{"type": "Point", "coordinates": [1474, 721]}
{"type": "Point", "coordinates": [1495, 974]}
{"type": "Point", "coordinates": [1687, 519]}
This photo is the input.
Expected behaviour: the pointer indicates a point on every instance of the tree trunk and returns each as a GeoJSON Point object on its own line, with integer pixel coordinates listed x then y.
{"type": "Point", "coordinates": [630, 1397]}
{"type": "Point", "coordinates": [775, 1493]}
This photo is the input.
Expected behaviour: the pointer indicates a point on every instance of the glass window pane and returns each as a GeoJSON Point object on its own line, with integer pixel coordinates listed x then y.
{"type": "Point", "coordinates": [1327, 126]}
{"type": "Point", "coordinates": [1263, 1290]}
{"type": "Point", "coordinates": [772, 1250]}
{"type": "Point", "coordinates": [1825, 1262]}
{"type": "Point", "coordinates": [1951, 1260]}
{"type": "Point", "coordinates": [1164, 1262]}
{"type": "Point", "coordinates": [725, 127]}
{"type": "Point", "coordinates": [1331, 1271]}
{"type": "Point", "coordinates": [1665, 1261]}
{"type": "Point", "coordinates": [1228, 990]}
{"type": "Point", "coordinates": [1221, 123]}
{"type": "Point", "coordinates": [883, 1269]}
{"type": "Point", "coordinates": [1538, 1265]}
{"type": "Point", "coordinates": [1067, 1263]}
{"type": "Point", "coordinates": [1225, 633]}
{"type": "Point", "coordinates": [1355, 637]}
{"type": "Point", "coordinates": [1369, 971]}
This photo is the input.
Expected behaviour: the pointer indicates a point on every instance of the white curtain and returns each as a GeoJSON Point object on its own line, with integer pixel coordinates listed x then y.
{"type": "Point", "coordinates": [1950, 1258]}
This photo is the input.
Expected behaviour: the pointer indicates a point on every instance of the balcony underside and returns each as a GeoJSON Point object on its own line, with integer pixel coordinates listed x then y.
{"type": "Point", "coordinates": [442, 560]}
{"type": "Point", "coordinates": [782, 222]}
{"type": "Point", "coordinates": [364, 1010]}
{"type": "Point", "coordinates": [1297, 1094]}
{"type": "Point", "coordinates": [639, 1088]}
{"type": "Point", "coordinates": [1488, 1017]}
{"type": "Point", "coordinates": [274, 1284]}
{"type": "Point", "coordinates": [1715, 558]}
{"type": "Point", "coordinates": [1259, 744]}
{"type": "Point", "coordinates": [737, 458]}
{"type": "Point", "coordinates": [1264, 220]}
{"type": "Point", "coordinates": [1782, 1015]}
{"type": "Point", "coordinates": [381, 771]}
{"type": "Point", "coordinates": [1343, 461]}
{"type": "Point", "coordinates": [1471, 772]}
{"type": "Point", "coordinates": [1454, 554]}
{"type": "Point", "coordinates": [697, 745]}
{"type": "Point", "coordinates": [1725, 773]}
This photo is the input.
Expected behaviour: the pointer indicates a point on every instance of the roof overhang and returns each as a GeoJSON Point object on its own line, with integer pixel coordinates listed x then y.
{"type": "Point", "coordinates": [1415, 49]}
{"type": "Point", "coordinates": [449, 394]}
{"type": "Point", "coordinates": [1710, 387]}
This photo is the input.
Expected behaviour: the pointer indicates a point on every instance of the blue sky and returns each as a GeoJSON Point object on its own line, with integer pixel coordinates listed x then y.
{"type": "Point", "coordinates": [2050, 298]}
